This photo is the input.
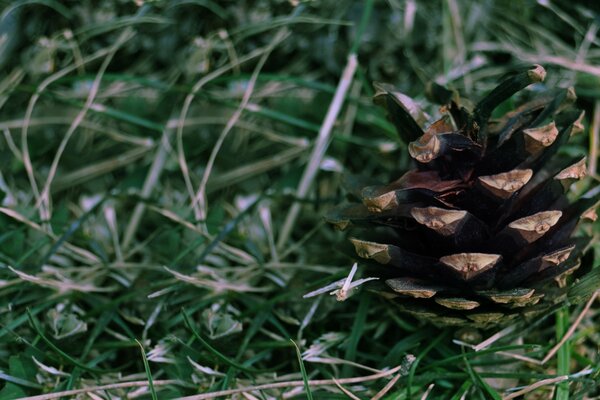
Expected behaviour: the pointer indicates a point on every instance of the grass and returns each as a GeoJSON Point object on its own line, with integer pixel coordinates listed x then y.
{"type": "Point", "coordinates": [164, 172]}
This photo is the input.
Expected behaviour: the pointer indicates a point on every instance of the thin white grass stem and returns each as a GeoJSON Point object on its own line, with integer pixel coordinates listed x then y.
{"type": "Point", "coordinates": [29, 111]}
{"type": "Point", "coordinates": [277, 385]}
{"type": "Point", "coordinates": [77, 56]}
{"type": "Point", "coordinates": [106, 130]}
{"type": "Point", "coordinates": [77, 252]}
{"type": "Point", "coordinates": [288, 384]}
{"type": "Point", "coordinates": [44, 200]}
{"type": "Point", "coordinates": [428, 391]}
{"type": "Point", "coordinates": [492, 339]}
{"type": "Point", "coordinates": [584, 47]}
{"type": "Point", "coordinates": [320, 148]}
{"type": "Point", "coordinates": [224, 36]}
{"type": "Point", "coordinates": [345, 391]}
{"type": "Point", "coordinates": [9, 83]}
{"type": "Point", "coordinates": [340, 361]}
{"type": "Point", "coordinates": [572, 328]}
{"type": "Point", "coordinates": [255, 168]}
{"type": "Point", "coordinates": [535, 386]}
{"type": "Point", "coordinates": [594, 140]}
{"type": "Point", "coordinates": [92, 171]}
{"type": "Point", "coordinates": [200, 197]}
{"type": "Point", "coordinates": [267, 221]}
{"type": "Point", "coordinates": [387, 387]}
{"type": "Point", "coordinates": [12, 145]}
{"type": "Point", "coordinates": [149, 183]}
{"type": "Point", "coordinates": [180, 123]}
{"type": "Point", "coordinates": [519, 357]}
{"type": "Point", "coordinates": [121, 385]}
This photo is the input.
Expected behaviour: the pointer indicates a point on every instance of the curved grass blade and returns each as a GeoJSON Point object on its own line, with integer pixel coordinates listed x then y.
{"type": "Point", "coordinates": [214, 351]}
{"type": "Point", "coordinates": [148, 372]}
{"type": "Point", "coordinates": [309, 395]}
{"type": "Point", "coordinates": [54, 347]}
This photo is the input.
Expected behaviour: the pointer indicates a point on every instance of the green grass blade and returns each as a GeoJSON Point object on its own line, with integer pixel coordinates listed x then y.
{"type": "Point", "coordinates": [481, 383]}
{"type": "Point", "coordinates": [562, 325]}
{"type": "Point", "coordinates": [211, 349]}
{"type": "Point", "coordinates": [356, 333]}
{"type": "Point", "coordinates": [309, 395]}
{"type": "Point", "coordinates": [54, 347]}
{"type": "Point", "coordinates": [148, 372]}
{"type": "Point", "coordinates": [415, 364]}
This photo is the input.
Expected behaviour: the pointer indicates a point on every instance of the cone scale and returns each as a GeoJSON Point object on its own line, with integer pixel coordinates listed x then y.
{"type": "Point", "coordinates": [480, 232]}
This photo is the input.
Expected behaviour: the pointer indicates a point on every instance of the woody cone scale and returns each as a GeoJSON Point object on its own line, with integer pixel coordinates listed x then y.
{"type": "Point", "coordinates": [483, 230]}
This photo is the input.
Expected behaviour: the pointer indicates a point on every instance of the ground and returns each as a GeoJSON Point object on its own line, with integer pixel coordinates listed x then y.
{"type": "Point", "coordinates": [165, 170]}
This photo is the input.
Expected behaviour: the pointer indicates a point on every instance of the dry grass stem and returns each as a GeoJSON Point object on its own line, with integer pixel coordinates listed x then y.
{"type": "Point", "coordinates": [112, 386]}
{"type": "Point", "coordinates": [594, 141]}
{"type": "Point", "coordinates": [572, 328]}
{"type": "Point", "coordinates": [320, 148]}
{"type": "Point", "coordinates": [200, 196]}
{"type": "Point", "coordinates": [183, 164]}
{"type": "Point", "coordinates": [289, 384]}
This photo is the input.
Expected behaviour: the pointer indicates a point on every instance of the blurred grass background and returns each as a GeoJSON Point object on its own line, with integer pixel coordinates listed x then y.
{"type": "Point", "coordinates": [150, 154]}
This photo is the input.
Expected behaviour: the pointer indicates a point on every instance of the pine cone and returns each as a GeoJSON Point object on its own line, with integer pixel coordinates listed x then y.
{"type": "Point", "coordinates": [481, 231]}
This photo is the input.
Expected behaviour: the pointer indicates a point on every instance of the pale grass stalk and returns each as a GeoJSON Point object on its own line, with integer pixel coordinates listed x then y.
{"type": "Point", "coordinates": [495, 337]}
{"type": "Point", "coordinates": [110, 132]}
{"type": "Point", "coordinates": [488, 342]}
{"type": "Point", "coordinates": [253, 169]}
{"type": "Point", "coordinates": [171, 215]}
{"type": "Point", "coordinates": [563, 62]}
{"type": "Point", "coordinates": [77, 56]}
{"type": "Point", "coordinates": [61, 286]}
{"type": "Point", "coordinates": [183, 114]}
{"type": "Point", "coordinates": [340, 361]}
{"type": "Point", "coordinates": [351, 111]}
{"type": "Point", "coordinates": [536, 385]}
{"type": "Point", "coordinates": [12, 145]}
{"type": "Point", "coordinates": [410, 10]}
{"type": "Point", "coordinates": [218, 286]}
{"type": "Point", "coordinates": [224, 36]}
{"type": "Point", "coordinates": [565, 16]}
{"type": "Point", "coordinates": [234, 254]}
{"type": "Point", "coordinates": [320, 148]}
{"type": "Point", "coordinates": [584, 47]}
{"type": "Point", "coordinates": [537, 58]}
{"type": "Point", "coordinates": [158, 163]}
{"type": "Point", "coordinates": [248, 396]}
{"type": "Point", "coordinates": [342, 294]}
{"type": "Point", "coordinates": [459, 40]}
{"type": "Point", "coordinates": [296, 246]}
{"type": "Point", "coordinates": [572, 328]}
{"type": "Point", "coordinates": [289, 384]}
{"type": "Point", "coordinates": [200, 197]}
{"type": "Point", "coordinates": [387, 387]}
{"type": "Point", "coordinates": [9, 83]}
{"type": "Point", "coordinates": [264, 212]}
{"type": "Point", "coordinates": [77, 252]}
{"type": "Point", "coordinates": [518, 357]}
{"type": "Point", "coordinates": [428, 391]}
{"type": "Point", "coordinates": [345, 391]}
{"type": "Point", "coordinates": [223, 249]}
{"type": "Point", "coordinates": [92, 171]}
{"type": "Point", "coordinates": [594, 141]}
{"type": "Point", "coordinates": [246, 125]}
{"type": "Point", "coordinates": [29, 112]}
{"type": "Point", "coordinates": [110, 216]}
{"type": "Point", "coordinates": [91, 389]}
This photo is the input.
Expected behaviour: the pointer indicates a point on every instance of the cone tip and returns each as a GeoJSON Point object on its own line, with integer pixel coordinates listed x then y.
{"type": "Point", "coordinates": [537, 73]}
